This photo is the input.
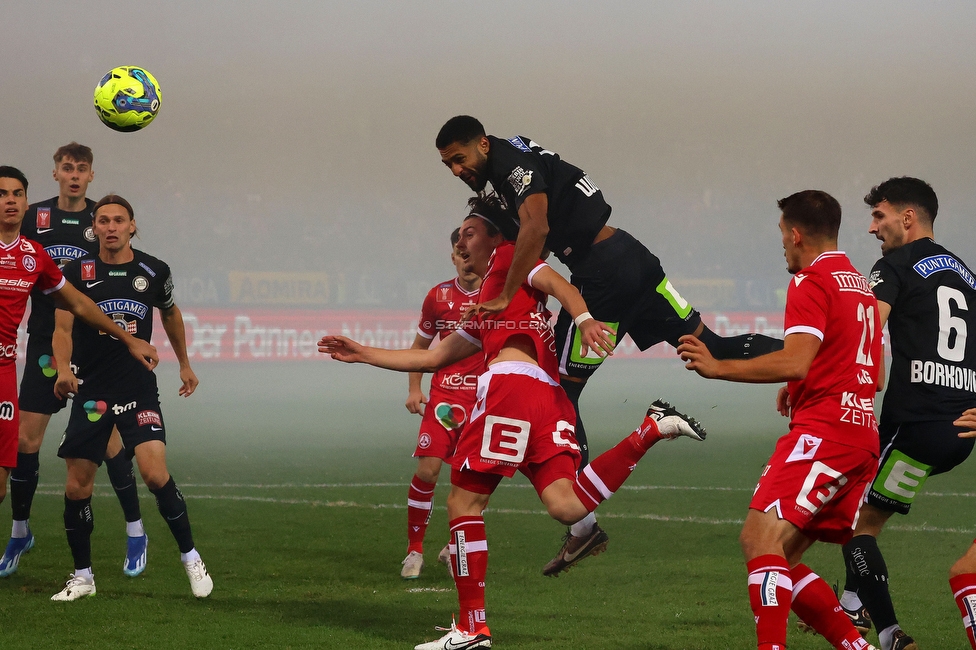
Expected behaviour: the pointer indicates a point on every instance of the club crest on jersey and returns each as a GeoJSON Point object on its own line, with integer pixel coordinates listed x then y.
{"type": "Point", "coordinates": [140, 283]}
{"type": "Point", "coordinates": [44, 217]}
{"type": "Point", "coordinates": [29, 263]}
{"type": "Point", "coordinates": [805, 449]}
{"type": "Point", "coordinates": [520, 179]}
{"type": "Point", "coordinates": [445, 293]}
{"type": "Point", "coordinates": [89, 234]}
{"type": "Point", "coordinates": [88, 270]}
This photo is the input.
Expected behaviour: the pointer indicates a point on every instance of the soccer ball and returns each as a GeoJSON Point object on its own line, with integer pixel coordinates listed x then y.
{"type": "Point", "coordinates": [127, 98]}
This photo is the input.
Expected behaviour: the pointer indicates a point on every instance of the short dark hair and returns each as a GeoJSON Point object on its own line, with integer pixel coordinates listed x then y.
{"type": "Point", "coordinates": [6, 171]}
{"type": "Point", "coordinates": [115, 199]}
{"type": "Point", "coordinates": [905, 190]}
{"type": "Point", "coordinates": [75, 151]}
{"type": "Point", "coordinates": [460, 128]}
{"type": "Point", "coordinates": [455, 236]}
{"type": "Point", "coordinates": [496, 218]}
{"type": "Point", "coordinates": [814, 212]}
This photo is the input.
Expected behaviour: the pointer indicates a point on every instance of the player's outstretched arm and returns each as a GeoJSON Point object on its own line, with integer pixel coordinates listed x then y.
{"type": "Point", "coordinates": [172, 319]}
{"type": "Point", "coordinates": [66, 384]}
{"type": "Point", "coordinates": [968, 421]}
{"type": "Point", "coordinates": [82, 306]}
{"type": "Point", "coordinates": [594, 334]}
{"type": "Point", "coordinates": [415, 394]}
{"type": "Point", "coordinates": [451, 350]}
{"type": "Point", "coordinates": [789, 364]}
{"type": "Point", "coordinates": [533, 229]}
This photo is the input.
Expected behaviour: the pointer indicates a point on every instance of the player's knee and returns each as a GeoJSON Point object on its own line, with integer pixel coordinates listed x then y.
{"type": "Point", "coordinates": [155, 479]}
{"type": "Point", "coordinates": [76, 488]}
{"type": "Point", "coordinates": [429, 469]}
{"type": "Point", "coordinates": [566, 514]}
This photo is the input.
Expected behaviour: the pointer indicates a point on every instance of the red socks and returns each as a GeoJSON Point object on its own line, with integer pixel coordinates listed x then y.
{"type": "Point", "coordinates": [770, 594]}
{"type": "Point", "coordinates": [469, 564]}
{"type": "Point", "coordinates": [816, 604]}
{"type": "Point", "coordinates": [607, 472]}
{"type": "Point", "coordinates": [964, 591]}
{"type": "Point", "coordinates": [420, 498]}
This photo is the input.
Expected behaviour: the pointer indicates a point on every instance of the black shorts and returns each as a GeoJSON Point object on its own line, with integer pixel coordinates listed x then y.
{"type": "Point", "coordinates": [37, 385]}
{"type": "Point", "coordinates": [910, 453]}
{"type": "Point", "coordinates": [137, 417]}
{"type": "Point", "coordinates": [624, 286]}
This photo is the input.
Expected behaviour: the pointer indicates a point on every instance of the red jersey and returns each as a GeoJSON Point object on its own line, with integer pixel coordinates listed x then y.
{"type": "Point", "coordinates": [525, 316]}
{"type": "Point", "coordinates": [441, 315]}
{"type": "Point", "coordinates": [23, 264]}
{"type": "Point", "coordinates": [835, 401]}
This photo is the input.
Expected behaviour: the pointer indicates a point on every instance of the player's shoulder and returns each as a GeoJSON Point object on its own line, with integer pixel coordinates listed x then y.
{"type": "Point", "coordinates": [46, 203]}
{"type": "Point", "coordinates": [149, 263]}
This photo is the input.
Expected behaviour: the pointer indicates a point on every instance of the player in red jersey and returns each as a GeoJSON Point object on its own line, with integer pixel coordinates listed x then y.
{"type": "Point", "coordinates": [451, 398]}
{"type": "Point", "coordinates": [62, 225]}
{"type": "Point", "coordinates": [815, 480]}
{"type": "Point", "coordinates": [522, 419]}
{"type": "Point", "coordinates": [23, 265]}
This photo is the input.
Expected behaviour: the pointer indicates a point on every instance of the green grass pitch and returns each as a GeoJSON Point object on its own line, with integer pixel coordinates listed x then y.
{"type": "Point", "coordinates": [296, 477]}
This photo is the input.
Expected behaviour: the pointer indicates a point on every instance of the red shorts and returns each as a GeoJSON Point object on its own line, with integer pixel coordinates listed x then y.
{"type": "Point", "coordinates": [522, 421]}
{"type": "Point", "coordinates": [9, 416]}
{"type": "Point", "coordinates": [446, 413]}
{"type": "Point", "coordinates": [815, 484]}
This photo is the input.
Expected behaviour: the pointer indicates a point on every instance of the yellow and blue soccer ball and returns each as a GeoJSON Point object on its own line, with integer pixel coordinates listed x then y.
{"type": "Point", "coordinates": [127, 98]}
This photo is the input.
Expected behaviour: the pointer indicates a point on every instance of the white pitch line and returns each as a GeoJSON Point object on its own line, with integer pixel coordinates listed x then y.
{"type": "Point", "coordinates": [926, 528]}
{"type": "Point", "coordinates": [518, 486]}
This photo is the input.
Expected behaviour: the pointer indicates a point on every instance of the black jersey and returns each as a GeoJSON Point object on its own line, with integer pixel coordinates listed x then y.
{"type": "Point", "coordinates": [127, 293]}
{"type": "Point", "coordinates": [932, 327]}
{"type": "Point", "coordinates": [519, 167]}
{"type": "Point", "coordinates": [65, 236]}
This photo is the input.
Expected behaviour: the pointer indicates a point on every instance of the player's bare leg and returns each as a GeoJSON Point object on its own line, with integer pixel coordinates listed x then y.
{"type": "Point", "coordinates": [962, 581]}
{"type": "Point", "coordinates": [23, 485]}
{"type": "Point", "coordinates": [151, 459]}
{"type": "Point", "coordinates": [420, 501]}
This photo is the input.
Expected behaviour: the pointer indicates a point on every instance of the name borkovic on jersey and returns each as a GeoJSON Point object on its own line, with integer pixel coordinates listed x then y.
{"type": "Point", "coordinates": [943, 374]}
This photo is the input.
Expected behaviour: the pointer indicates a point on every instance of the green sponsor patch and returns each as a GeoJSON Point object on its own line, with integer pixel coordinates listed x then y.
{"type": "Point", "coordinates": [591, 359]}
{"type": "Point", "coordinates": [901, 478]}
{"type": "Point", "coordinates": [680, 305]}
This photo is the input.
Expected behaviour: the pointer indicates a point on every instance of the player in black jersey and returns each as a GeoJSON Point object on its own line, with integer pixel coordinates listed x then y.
{"type": "Point", "coordinates": [110, 391]}
{"type": "Point", "coordinates": [927, 296]}
{"type": "Point", "coordinates": [63, 226]}
{"type": "Point", "coordinates": [555, 206]}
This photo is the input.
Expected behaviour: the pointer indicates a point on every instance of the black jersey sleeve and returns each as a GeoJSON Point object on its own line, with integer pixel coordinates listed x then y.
{"type": "Point", "coordinates": [164, 295]}
{"type": "Point", "coordinates": [517, 170]}
{"type": "Point", "coordinates": [885, 281]}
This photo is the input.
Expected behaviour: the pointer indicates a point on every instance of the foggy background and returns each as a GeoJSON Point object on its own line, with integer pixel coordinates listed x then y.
{"type": "Point", "coordinates": [298, 137]}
